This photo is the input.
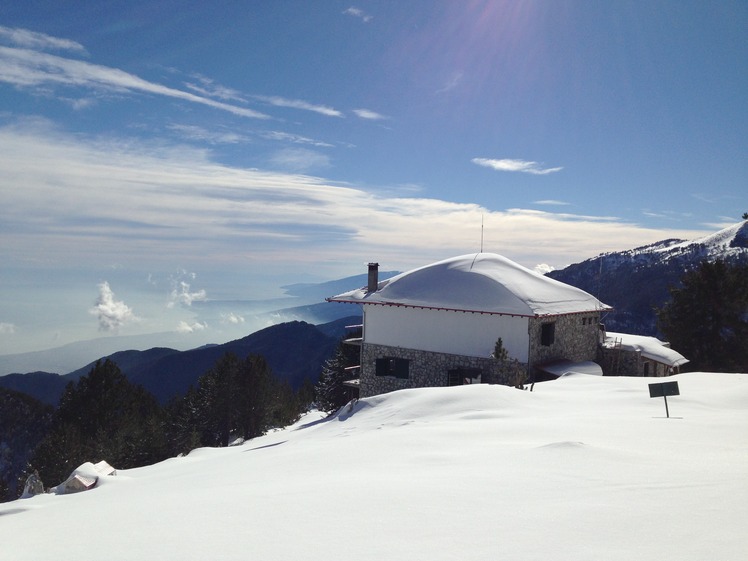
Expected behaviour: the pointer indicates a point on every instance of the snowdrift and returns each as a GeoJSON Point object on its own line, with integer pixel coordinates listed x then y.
{"type": "Point", "coordinates": [584, 467]}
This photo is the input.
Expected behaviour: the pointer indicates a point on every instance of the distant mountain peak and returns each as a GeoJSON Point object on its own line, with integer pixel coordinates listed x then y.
{"type": "Point", "coordinates": [636, 281]}
{"type": "Point", "coordinates": [728, 241]}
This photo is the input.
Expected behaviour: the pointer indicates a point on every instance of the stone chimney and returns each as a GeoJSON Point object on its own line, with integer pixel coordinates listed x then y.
{"type": "Point", "coordinates": [373, 277]}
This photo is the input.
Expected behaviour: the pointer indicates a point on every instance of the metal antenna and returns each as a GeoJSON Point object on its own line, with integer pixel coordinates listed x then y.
{"type": "Point", "coordinates": [481, 233]}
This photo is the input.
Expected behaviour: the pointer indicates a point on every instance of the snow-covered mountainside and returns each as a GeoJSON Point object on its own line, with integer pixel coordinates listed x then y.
{"type": "Point", "coordinates": [636, 281]}
{"type": "Point", "coordinates": [582, 468]}
{"type": "Point", "coordinates": [729, 244]}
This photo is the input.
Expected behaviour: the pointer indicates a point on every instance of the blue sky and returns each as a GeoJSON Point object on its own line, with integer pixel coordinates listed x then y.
{"type": "Point", "coordinates": [155, 155]}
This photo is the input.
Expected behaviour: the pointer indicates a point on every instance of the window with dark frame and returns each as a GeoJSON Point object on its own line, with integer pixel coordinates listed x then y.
{"type": "Point", "coordinates": [463, 376]}
{"type": "Point", "coordinates": [397, 367]}
{"type": "Point", "coordinates": [547, 334]}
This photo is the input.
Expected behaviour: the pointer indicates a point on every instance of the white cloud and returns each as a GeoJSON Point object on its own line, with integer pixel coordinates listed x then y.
{"type": "Point", "coordinates": [7, 328]}
{"type": "Point", "coordinates": [358, 13]}
{"type": "Point", "coordinates": [299, 160]}
{"type": "Point", "coordinates": [185, 327]}
{"type": "Point", "coordinates": [232, 318]}
{"type": "Point", "coordinates": [209, 88]}
{"type": "Point", "coordinates": [666, 214]}
{"type": "Point", "coordinates": [451, 84]}
{"type": "Point", "coordinates": [293, 138]}
{"type": "Point", "coordinates": [183, 295]}
{"type": "Point", "coordinates": [142, 202]}
{"type": "Point", "coordinates": [368, 114]}
{"type": "Point", "coordinates": [551, 202]}
{"type": "Point", "coordinates": [112, 314]}
{"type": "Point", "coordinates": [193, 132]}
{"type": "Point", "coordinates": [515, 165]}
{"type": "Point", "coordinates": [278, 101]}
{"type": "Point", "coordinates": [543, 268]}
{"type": "Point", "coordinates": [27, 68]}
{"type": "Point", "coordinates": [39, 41]}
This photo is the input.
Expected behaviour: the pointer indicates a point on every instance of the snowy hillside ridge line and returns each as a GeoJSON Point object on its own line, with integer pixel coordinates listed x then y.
{"type": "Point", "coordinates": [724, 243]}
{"type": "Point", "coordinates": [638, 282]}
{"type": "Point", "coordinates": [582, 468]}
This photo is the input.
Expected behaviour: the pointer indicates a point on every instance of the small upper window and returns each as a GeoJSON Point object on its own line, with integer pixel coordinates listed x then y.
{"type": "Point", "coordinates": [547, 334]}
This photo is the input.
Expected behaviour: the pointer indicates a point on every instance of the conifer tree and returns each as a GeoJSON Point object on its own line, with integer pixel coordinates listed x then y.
{"type": "Point", "coordinates": [707, 317]}
{"type": "Point", "coordinates": [235, 398]}
{"type": "Point", "coordinates": [101, 417]}
{"type": "Point", "coordinates": [330, 392]}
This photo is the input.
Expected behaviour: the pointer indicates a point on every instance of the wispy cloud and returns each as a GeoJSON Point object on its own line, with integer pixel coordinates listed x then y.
{"type": "Point", "coordinates": [112, 314]}
{"type": "Point", "coordinates": [76, 199]}
{"type": "Point", "coordinates": [522, 166]}
{"type": "Point", "coordinates": [299, 160]}
{"type": "Point", "coordinates": [369, 114]}
{"type": "Point", "coordinates": [27, 68]}
{"type": "Point", "coordinates": [200, 134]}
{"type": "Point", "coordinates": [278, 101]}
{"type": "Point", "coordinates": [38, 41]}
{"type": "Point", "coordinates": [358, 13]}
{"type": "Point", "coordinates": [666, 214]}
{"type": "Point", "coordinates": [210, 88]}
{"type": "Point", "coordinates": [551, 202]}
{"type": "Point", "coordinates": [7, 328]}
{"type": "Point", "coordinates": [293, 138]}
{"type": "Point", "coordinates": [451, 84]}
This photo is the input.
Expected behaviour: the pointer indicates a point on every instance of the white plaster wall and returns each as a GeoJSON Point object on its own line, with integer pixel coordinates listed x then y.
{"type": "Point", "coordinates": [444, 331]}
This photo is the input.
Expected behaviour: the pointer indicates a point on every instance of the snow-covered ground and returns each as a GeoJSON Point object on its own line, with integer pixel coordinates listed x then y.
{"type": "Point", "coordinates": [583, 468]}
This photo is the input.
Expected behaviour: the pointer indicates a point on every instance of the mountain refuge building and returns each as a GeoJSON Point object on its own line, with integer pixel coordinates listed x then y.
{"type": "Point", "coordinates": [470, 319]}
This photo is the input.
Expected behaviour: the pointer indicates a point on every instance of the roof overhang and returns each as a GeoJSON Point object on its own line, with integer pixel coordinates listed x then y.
{"type": "Point", "coordinates": [603, 308]}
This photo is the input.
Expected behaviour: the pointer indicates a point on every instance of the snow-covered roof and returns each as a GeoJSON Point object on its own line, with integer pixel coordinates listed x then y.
{"type": "Point", "coordinates": [478, 282]}
{"type": "Point", "coordinates": [650, 347]}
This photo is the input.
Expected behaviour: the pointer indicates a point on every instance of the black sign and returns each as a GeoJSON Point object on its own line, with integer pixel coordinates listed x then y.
{"type": "Point", "coordinates": [664, 389]}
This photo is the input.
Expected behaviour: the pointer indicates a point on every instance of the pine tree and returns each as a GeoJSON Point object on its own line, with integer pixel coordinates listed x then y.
{"type": "Point", "coordinates": [707, 317]}
{"type": "Point", "coordinates": [499, 352]}
{"type": "Point", "coordinates": [330, 392]}
{"type": "Point", "coordinates": [184, 423]}
{"type": "Point", "coordinates": [235, 398]}
{"type": "Point", "coordinates": [101, 417]}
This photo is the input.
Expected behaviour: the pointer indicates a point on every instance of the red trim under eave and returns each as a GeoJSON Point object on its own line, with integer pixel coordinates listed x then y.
{"type": "Point", "coordinates": [397, 305]}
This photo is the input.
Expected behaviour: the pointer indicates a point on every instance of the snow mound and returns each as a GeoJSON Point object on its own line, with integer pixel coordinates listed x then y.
{"type": "Point", "coordinates": [85, 477]}
{"type": "Point", "coordinates": [583, 468]}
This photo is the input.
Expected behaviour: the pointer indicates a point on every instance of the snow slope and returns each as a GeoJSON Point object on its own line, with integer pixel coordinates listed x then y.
{"type": "Point", "coordinates": [583, 468]}
{"type": "Point", "coordinates": [725, 244]}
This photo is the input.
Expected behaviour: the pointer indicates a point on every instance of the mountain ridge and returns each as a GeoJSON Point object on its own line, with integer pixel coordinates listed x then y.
{"type": "Point", "coordinates": [294, 350]}
{"type": "Point", "coordinates": [637, 281]}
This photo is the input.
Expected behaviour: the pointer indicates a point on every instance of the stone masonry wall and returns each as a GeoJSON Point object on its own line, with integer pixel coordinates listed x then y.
{"type": "Point", "coordinates": [428, 369]}
{"type": "Point", "coordinates": [576, 338]}
{"type": "Point", "coordinates": [619, 362]}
